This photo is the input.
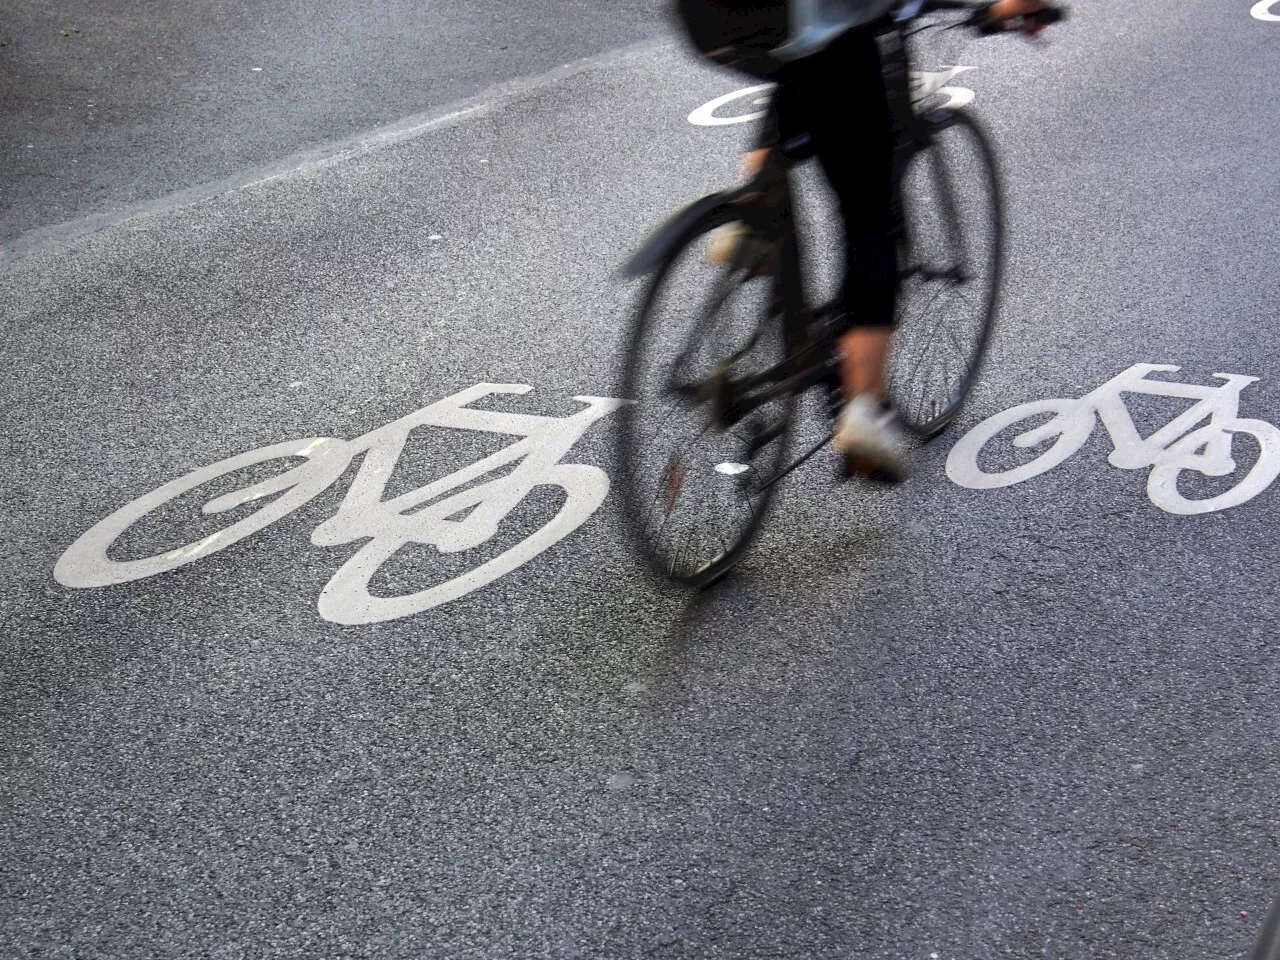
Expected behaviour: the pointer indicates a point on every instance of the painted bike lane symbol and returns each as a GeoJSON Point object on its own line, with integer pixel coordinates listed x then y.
{"type": "Point", "coordinates": [433, 515]}
{"type": "Point", "coordinates": [1199, 439]}
{"type": "Point", "coordinates": [923, 84]}
{"type": "Point", "coordinates": [1262, 10]}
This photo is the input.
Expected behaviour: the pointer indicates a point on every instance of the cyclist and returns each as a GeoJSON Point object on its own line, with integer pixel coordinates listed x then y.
{"type": "Point", "coordinates": [833, 103]}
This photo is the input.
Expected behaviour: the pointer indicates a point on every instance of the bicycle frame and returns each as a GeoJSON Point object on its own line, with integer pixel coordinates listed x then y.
{"type": "Point", "coordinates": [764, 207]}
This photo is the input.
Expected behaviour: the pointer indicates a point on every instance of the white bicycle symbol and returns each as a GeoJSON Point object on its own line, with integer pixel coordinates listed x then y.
{"type": "Point", "coordinates": [923, 84]}
{"type": "Point", "coordinates": [452, 523]}
{"type": "Point", "coordinates": [1182, 444]}
{"type": "Point", "coordinates": [1262, 10]}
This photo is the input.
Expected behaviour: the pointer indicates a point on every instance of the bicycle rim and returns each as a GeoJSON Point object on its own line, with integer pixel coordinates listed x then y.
{"type": "Point", "coordinates": [952, 260]}
{"type": "Point", "coordinates": [693, 491]}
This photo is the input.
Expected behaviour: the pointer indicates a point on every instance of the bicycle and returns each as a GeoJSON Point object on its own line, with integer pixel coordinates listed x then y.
{"type": "Point", "coordinates": [754, 346]}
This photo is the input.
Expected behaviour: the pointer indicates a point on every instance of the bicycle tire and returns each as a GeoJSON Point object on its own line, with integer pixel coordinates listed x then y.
{"type": "Point", "coordinates": [1267, 946]}
{"type": "Point", "coordinates": [736, 478]}
{"type": "Point", "coordinates": [1071, 433]}
{"type": "Point", "coordinates": [927, 403]}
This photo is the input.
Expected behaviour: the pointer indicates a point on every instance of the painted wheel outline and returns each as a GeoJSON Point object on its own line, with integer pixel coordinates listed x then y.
{"type": "Point", "coordinates": [704, 116]}
{"type": "Point", "coordinates": [1162, 484]}
{"type": "Point", "coordinates": [585, 488]}
{"type": "Point", "coordinates": [1072, 432]}
{"type": "Point", "coordinates": [1262, 11]}
{"type": "Point", "coordinates": [85, 563]}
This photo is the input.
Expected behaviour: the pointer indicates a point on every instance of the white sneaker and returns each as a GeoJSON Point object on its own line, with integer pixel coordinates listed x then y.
{"type": "Point", "coordinates": [872, 442]}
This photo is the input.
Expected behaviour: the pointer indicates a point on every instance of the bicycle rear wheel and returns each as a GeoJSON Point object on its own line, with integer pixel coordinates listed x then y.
{"type": "Point", "coordinates": [951, 261]}
{"type": "Point", "coordinates": [692, 474]}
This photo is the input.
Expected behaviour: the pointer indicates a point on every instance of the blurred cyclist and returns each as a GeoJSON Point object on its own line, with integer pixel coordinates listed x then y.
{"type": "Point", "coordinates": [833, 103]}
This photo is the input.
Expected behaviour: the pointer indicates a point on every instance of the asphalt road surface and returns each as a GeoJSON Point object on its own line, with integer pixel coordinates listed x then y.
{"type": "Point", "coordinates": [930, 721]}
{"type": "Point", "coordinates": [105, 109]}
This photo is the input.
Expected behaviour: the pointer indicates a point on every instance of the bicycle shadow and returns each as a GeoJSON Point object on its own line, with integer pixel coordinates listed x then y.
{"type": "Point", "coordinates": [775, 574]}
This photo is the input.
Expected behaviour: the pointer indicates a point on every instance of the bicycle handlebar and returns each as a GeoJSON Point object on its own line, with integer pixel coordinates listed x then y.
{"type": "Point", "coordinates": [1027, 21]}
{"type": "Point", "coordinates": [814, 26]}
{"type": "Point", "coordinates": [980, 20]}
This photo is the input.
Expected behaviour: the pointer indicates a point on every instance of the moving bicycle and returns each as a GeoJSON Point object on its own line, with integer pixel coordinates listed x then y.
{"type": "Point", "coordinates": [726, 342]}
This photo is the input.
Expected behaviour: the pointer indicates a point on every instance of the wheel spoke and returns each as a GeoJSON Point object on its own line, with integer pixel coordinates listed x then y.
{"type": "Point", "coordinates": [952, 204]}
{"type": "Point", "coordinates": [690, 518]}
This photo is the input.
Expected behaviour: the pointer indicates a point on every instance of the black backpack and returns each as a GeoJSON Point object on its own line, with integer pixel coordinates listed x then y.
{"type": "Point", "coordinates": [744, 33]}
{"type": "Point", "coordinates": [735, 32]}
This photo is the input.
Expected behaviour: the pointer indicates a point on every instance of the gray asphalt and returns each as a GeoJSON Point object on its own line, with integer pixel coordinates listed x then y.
{"type": "Point", "coordinates": [1036, 721]}
{"type": "Point", "coordinates": [104, 108]}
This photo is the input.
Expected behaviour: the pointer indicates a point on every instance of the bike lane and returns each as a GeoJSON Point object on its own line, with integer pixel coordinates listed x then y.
{"type": "Point", "coordinates": [958, 720]}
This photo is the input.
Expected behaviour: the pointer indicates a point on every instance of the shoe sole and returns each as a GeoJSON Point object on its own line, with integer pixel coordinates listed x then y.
{"type": "Point", "coordinates": [877, 470]}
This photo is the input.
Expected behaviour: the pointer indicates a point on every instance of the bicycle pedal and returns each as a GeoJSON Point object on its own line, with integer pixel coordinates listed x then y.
{"type": "Point", "coordinates": [867, 469]}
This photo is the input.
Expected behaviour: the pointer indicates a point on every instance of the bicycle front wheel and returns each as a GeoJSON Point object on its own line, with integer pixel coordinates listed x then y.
{"type": "Point", "coordinates": [693, 473]}
{"type": "Point", "coordinates": [951, 261]}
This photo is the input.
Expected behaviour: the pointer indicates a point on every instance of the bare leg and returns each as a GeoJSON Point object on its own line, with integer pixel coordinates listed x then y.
{"type": "Point", "coordinates": [752, 162]}
{"type": "Point", "coordinates": [863, 353]}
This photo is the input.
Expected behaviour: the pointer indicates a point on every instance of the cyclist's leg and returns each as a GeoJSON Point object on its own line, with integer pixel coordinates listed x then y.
{"type": "Point", "coordinates": [785, 124]}
{"type": "Point", "coordinates": [855, 147]}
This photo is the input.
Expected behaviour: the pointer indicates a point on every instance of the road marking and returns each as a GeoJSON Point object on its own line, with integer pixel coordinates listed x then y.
{"type": "Point", "coordinates": [1262, 10]}
{"type": "Point", "coordinates": [334, 152]}
{"type": "Point", "coordinates": [924, 83]}
{"type": "Point", "coordinates": [1198, 440]}
{"type": "Point", "coordinates": [705, 115]}
{"type": "Point", "coordinates": [453, 514]}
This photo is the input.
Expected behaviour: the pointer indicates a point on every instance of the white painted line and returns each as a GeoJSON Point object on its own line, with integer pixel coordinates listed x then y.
{"type": "Point", "coordinates": [41, 238]}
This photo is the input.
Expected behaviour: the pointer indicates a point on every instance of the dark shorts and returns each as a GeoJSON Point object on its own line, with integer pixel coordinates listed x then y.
{"type": "Point", "coordinates": [838, 100]}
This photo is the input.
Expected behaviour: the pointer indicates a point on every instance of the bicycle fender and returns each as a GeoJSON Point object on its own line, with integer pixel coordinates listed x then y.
{"type": "Point", "coordinates": [668, 236]}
